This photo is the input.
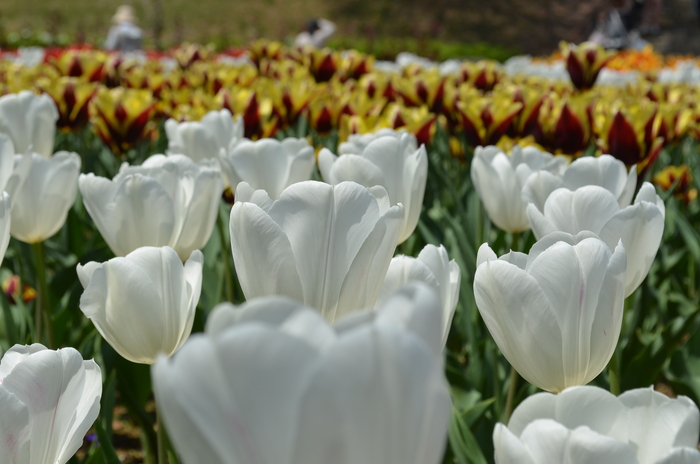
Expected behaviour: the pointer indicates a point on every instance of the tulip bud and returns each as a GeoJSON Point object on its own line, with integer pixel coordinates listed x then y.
{"type": "Point", "coordinates": [143, 304]}
{"type": "Point", "coordinates": [555, 313]}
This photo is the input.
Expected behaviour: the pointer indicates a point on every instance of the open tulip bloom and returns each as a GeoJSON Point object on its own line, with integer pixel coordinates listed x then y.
{"type": "Point", "coordinates": [432, 267]}
{"type": "Point", "coordinates": [268, 164]}
{"type": "Point", "coordinates": [40, 206]}
{"type": "Point", "coordinates": [206, 138]}
{"type": "Point", "coordinates": [639, 226]}
{"type": "Point", "coordinates": [168, 200]}
{"type": "Point", "coordinates": [555, 313]}
{"type": "Point", "coordinates": [603, 171]}
{"type": "Point", "coordinates": [143, 304]}
{"type": "Point", "coordinates": [499, 180]}
{"type": "Point", "coordinates": [48, 401]}
{"type": "Point", "coordinates": [30, 121]}
{"type": "Point", "coordinates": [357, 143]}
{"type": "Point", "coordinates": [271, 382]}
{"type": "Point", "coordinates": [583, 425]}
{"type": "Point", "coordinates": [392, 162]}
{"type": "Point", "coordinates": [328, 246]}
{"type": "Point", "coordinates": [13, 169]}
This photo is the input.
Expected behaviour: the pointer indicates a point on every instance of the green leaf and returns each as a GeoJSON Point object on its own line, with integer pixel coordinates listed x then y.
{"type": "Point", "coordinates": [465, 447]}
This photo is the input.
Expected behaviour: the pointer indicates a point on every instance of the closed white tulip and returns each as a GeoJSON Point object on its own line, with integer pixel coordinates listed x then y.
{"type": "Point", "coordinates": [604, 171]}
{"type": "Point", "coordinates": [590, 425]}
{"type": "Point", "coordinates": [393, 163]}
{"type": "Point", "coordinates": [277, 384]}
{"type": "Point", "coordinates": [639, 226]}
{"type": "Point", "coordinates": [40, 206]}
{"type": "Point", "coordinates": [556, 313]}
{"type": "Point", "coordinates": [169, 200]}
{"type": "Point", "coordinates": [268, 164]}
{"type": "Point", "coordinates": [432, 267]}
{"type": "Point", "coordinates": [499, 180]}
{"type": "Point", "coordinates": [48, 402]}
{"type": "Point", "coordinates": [357, 143]}
{"type": "Point", "coordinates": [143, 304]}
{"type": "Point", "coordinates": [327, 246]}
{"type": "Point", "coordinates": [30, 121]}
{"type": "Point", "coordinates": [206, 138]}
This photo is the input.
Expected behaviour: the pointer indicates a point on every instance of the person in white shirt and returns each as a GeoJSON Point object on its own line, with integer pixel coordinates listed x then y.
{"type": "Point", "coordinates": [317, 32]}
{"type": "Point", "coordinates": [125, 35]}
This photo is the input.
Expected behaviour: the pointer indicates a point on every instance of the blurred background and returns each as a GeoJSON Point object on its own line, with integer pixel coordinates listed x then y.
{"type": "Point", "coordinates": [438, 29]}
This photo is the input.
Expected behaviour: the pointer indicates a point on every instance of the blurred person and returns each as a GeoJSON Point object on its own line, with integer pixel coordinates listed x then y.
{"type": "Point", "coordinates": [124, 35]}
{"type": "Point", "coordinates": [318, 31]}
{"type": "Point", "coordinates": [610, 30]}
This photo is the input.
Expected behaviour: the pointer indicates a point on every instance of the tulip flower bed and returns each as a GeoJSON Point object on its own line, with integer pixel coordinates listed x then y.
{"type": "Point", "coordinates": [308, 256]}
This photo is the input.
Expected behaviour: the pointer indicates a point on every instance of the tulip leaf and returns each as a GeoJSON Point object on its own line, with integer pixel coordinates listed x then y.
{"type": "Point", "coordinates": [464, 445]}
{"type": "Point", "coordinates": [106, 445]}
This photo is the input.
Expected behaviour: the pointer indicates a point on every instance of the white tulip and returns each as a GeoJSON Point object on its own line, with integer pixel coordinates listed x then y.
{"type": "Point", "coordinates": [30, 121]}
{"type": "Point", "coordinates": [432, 267]}
{"type": "Point", "coordinates": [357, 143]}
{"type": "Point", "coordinates": [5, 220]}
{"type": "Point", "coordinates": [277, 384]}
{"type": "Point", "coordinates": [556, 313]}
{"type": "Point", "coordinates": [499, 180]}
{"type": "Point", "coordinates": [13, 170]}
{"type": "Point", "coordinates": [590, 425]}
{"type": "Point", "coordinates": [40, 206]}
{"type": "Point", "coordinates": [143, 304]}
{"type": "Point", "coordinates": [206, 138]}
{"type": "Point", "coordinates": [169, 200]}
{"type": "Point", "coordinates": [604, 171]}
{"type": "Point", "coordinates": [48, 401]}
{"type": "Point", "coordinates": [327, 246]}
{"type": "Point", "coordinates": [268, 164]}
{"type": "Point", "coordinates": [639, 226]}
{"type": "Point", "coordinates": [391, 162]}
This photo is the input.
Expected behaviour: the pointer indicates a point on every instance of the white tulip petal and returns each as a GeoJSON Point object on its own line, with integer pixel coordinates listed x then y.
{"type": "Point", "coordinates": [30, 120]}
{"type": "Point", "coordinates": [14, 428]}
{"type": "Point", "coordinates": [546, 441]}
{"type": "Point", "coordinates": [16, 355]}
{"type": "Point", "coordinates": [212, 393]}
{"type": "Point", "coordinates": [62, 393]}
{"type": "Point", "coordinates": [588, 208]}
{"type": "Point", "coordinates": [326, 227]}
{"type": "Point", "coordinates": [681, 456]}
{"type": "Point", "coordinates": [404, 269]}
{"type": "Point", "coordinates": [363, 280]}
{"type": "Point", "coordinates": [588, 447]}
{"type": "Point", "coordinates": [508, 447]}
{"type": "Point", "coordinates": [262, 254]}
{"type": "Point", "coordinates": [640, 227]}
{"type": "Point", "coordinates": [270, 310]}
{"type": "Point", "coordinates": [539, 186]}
{"type": "Point", "coordinates": [41, 205]}
{"type": "Point", "coordinates": [521, 322]}
{"type": "Point", "coordinates": [604, 171]}
{"type": "Point", "coordinates": [355, 168]}
{"type": "Point", "coordinates": [350, 387]}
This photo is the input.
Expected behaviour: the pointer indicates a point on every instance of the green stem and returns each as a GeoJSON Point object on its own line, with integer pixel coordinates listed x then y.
{"type": "Point", "coordinates": [614, 373]}
{"type": "Point", "coordinates": [43, 302]}
{"type": "Point", "coordinates": [514, 245]}
{"type": "Point", "coordinates": [226, 252]}
{"type": "Point", "coordinates": [512, 388]}
{"type": "Point", "coordinates": [162, 440]}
